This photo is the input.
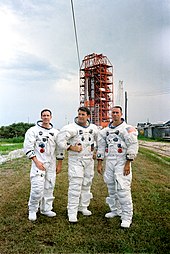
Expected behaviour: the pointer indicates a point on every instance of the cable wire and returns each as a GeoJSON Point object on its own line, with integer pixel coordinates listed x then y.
{"type": "Point", "coordinates": [75, 32]}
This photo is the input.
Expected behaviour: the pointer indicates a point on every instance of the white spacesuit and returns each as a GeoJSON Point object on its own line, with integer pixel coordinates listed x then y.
{"type": "Point", "coordinates": [81, 165]}
{"type": "Point", "coordinates": [41, 142]}
{"type": "Point", "coordinates": [117, 145]}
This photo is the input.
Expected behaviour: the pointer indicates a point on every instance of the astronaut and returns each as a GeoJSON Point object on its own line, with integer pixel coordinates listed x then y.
{"type": "Point", "coordinates": [79, 138]}
{"type": "Point", "coordinates": [118, 144]}
{"type": "Point", "coordinates": [40, 145]}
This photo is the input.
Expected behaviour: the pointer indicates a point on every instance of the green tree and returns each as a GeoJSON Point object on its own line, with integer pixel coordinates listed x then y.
{"type": "Point", "coordinates": [14, 130]}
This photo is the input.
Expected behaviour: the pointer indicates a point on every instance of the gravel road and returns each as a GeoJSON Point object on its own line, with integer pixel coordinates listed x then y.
{"type": "Point", "coordinates": [162, 148]}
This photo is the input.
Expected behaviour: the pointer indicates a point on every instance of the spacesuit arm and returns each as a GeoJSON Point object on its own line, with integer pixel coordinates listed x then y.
{"type": "Point", "coordinates": [96, 138]}
{"type": "Point", "coordinates": [131, 139]}
{"type": "Point", "coordinates": [96, 131]}
{"type": "Point", "coordinates": [101, 144]}
{"type": "Point", "coordinates": [64, 136]}
{"type": "Point", "coordinates": [29, 143]}
{"type": "Point", "coordinates": [29, 147]}
{"type": "Point", "coordinates": [60, 153]}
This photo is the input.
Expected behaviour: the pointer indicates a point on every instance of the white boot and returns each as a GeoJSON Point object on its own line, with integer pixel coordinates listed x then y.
{"type": "Point", "coordinates": [49, 213]}
{"type": "Point", "coordinates": [125, 224]}
{"type": "Point", "coordinates": [32, 216]}
{"type": "Point", "coordinates": [72, 217]}
{"type": "Point", "coordinates": [85, 211]}
{"type": "Point", "coordinates": [111, 214]}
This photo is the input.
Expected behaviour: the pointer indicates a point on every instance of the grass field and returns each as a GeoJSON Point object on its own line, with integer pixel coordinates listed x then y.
{"type": "Point", "coordinates": [6, 148]}
{"type": "Point", "coordinates": [8, 145]}
{"type": "Point", "coordinates": [149, 233]}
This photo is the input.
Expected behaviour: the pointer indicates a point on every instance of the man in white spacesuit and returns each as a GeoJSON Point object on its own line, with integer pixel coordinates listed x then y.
{"type": "Point", "coordinates": [79, 138]}
{"type": "Point", "coordinates": [118, 144]}
{"type": "Point", "coordinates": [40, 145]}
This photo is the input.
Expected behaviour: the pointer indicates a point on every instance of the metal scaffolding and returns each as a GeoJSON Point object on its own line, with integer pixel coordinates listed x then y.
{"type": "Point", "coordinates": [96, 87]}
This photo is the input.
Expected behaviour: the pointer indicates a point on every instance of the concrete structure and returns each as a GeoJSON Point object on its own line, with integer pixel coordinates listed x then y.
{"type": "Point", "coordinates": [155, 130]}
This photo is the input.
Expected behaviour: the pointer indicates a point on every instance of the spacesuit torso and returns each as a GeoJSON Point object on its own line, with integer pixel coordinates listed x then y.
{"type": "Point", "coordinates": [73, 134]}
{"type": "Point", "coordinates": [118, 142]}
{"type": "Point", "coordinates": [41, 142]}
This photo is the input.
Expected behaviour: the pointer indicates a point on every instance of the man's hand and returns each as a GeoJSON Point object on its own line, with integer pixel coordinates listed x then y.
{"type": "Point", "coordinates": [76, 148]}
{"type": "Point", "coordinates": [38, 163]}
{"type": "Point", "coordinates": [99, 167]}
{"type": "Point", "coordinates": [94, 155]}
{"type": "Point", "coordinates": [127, 168]}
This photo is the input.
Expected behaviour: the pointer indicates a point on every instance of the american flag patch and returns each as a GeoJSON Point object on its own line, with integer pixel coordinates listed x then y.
{"type": "Point", "coordinates": [130, 129]}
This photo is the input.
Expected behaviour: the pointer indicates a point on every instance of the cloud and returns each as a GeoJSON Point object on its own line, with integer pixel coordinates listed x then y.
{"type": "Point", "coordinates": [28, 67]}
{"type": "Point", "coordinates": [39, 67]}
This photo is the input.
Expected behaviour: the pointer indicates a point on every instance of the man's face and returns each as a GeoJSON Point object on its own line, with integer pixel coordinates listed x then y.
{"type": "Point", "coordinates": [82, 117]}
{"type": "Point", "coordinates": [116, 114]}
{"type": "Point", "coordinates": [46, 117]}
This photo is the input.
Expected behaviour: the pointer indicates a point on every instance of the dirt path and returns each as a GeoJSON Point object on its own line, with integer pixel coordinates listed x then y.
{"type": "Point", "coordinates": [162, 148]}
{"type": "Point", "coordinates": [12, 155]}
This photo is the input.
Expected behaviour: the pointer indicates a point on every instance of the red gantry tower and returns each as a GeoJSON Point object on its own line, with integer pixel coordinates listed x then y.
{"type": "Point", "coordinates": [96, 87]}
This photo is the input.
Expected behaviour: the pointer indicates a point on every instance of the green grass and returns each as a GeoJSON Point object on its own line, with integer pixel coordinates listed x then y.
{"type": "Point", "coordinates": [149, 232]}
{"type": "Point", "coordinates": [150, 154]}
{"type": "Point", "coordinates": [141, 137]}
{"type": "Point", "coordinates": [12, 140]}
{"type": "Point", "coordinates": [10, 144]}
{"type": "Point", "coordinates": [5, 148]}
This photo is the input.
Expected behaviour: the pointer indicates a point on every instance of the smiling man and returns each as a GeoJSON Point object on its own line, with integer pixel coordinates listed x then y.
{"type": "Point", "coordinates": [40, 146]}
{"type": "Point", "coordinates": [118, 145]}
{"type": "Point", "coordinates": [79, 138]}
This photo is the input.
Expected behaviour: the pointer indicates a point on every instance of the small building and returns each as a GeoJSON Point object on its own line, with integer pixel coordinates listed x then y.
{"type": "Point", "coordinates": [141, 127]}
{"type": "Point", "coordinates": [158, 130]}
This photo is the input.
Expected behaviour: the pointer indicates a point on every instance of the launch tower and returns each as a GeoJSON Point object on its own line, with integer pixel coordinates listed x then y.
{"type": "Point", "coordinates": [96, 87]}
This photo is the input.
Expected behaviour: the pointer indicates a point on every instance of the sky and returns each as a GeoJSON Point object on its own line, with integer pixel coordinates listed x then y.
{"type": "Point", "coordinates": [39, 64]}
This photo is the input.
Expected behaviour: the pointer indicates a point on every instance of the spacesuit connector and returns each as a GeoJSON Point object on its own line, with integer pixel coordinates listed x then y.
{"type": "Point", "coordinates": [30, 154]}
{"type": "Point", "coordinates": [60, 156]}
{"type": "Point", "coordinates": [130, 157]}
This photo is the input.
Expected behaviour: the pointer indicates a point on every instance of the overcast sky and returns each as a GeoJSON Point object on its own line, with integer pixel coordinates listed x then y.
{"type": "Point", "coordinates": [38, 58]}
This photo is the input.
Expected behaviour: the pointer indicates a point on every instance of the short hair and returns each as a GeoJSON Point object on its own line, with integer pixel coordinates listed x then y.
{"type": "Point", "coordinates": [117, 107]}
{"type": "Point", "coordinates": [85, 109]}
{"type": "Point", "coordinates": [46, 110]}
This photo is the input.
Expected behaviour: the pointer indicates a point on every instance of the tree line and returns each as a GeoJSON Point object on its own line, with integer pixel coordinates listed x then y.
{"type": "Point", "coordinates": [15, 130]}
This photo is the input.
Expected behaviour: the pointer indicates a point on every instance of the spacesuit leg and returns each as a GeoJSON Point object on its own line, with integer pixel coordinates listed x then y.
{"type": "Point", "coordinates": [75, 175]}
{"type": "Point", "coordinates": [37, 188]}
{"type": "Point", "coordinates": [86, 194]}
{"type": "Point", "coordinates": [110, 180]}
{"type": "Point", "coordinates": [113, 200]}
{"type": "Point", "coordinates": [75, 185]}
{"type": "Point", "coordinates": [49, 184]}
{"type": "Point", "coordinates": [125, 197]}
